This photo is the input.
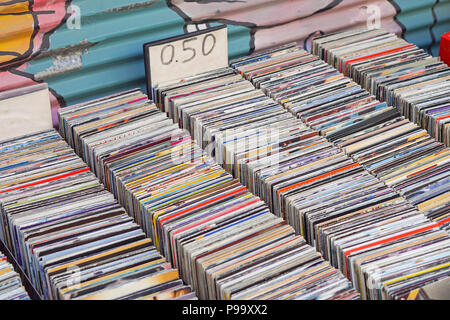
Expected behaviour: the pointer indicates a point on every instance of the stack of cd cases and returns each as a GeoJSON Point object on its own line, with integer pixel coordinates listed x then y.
{"type": "Point", "coordinates": [396, 71]}
{"type": "Point", "coordinates": [68, 234]}
{"type": "Point", "coordinates": [305, 177]}
{"type": "Point", "coordinates": [223, 239]}
{"type": "Point", "coordinates": [11, 287]}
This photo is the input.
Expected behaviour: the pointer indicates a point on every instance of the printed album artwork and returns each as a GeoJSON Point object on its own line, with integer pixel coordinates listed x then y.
{"type": "Point", "coordinates": [286, 175]}
{"type": "Point", "coordinates": [11, 287]}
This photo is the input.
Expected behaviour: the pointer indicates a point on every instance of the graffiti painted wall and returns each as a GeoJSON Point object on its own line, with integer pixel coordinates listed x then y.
{"type": "Point", "coordinates": [88, 48]}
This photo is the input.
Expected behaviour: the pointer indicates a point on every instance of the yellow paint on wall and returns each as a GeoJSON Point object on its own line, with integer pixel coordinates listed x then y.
{"type": "Point", "coordinates": [16, 30]}
{"type": "Point", "coordinates": [18, 7]}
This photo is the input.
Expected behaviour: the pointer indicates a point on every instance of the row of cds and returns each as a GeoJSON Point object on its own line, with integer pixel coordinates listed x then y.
{"type": "Point", "coordinates": [375, 135]}
{"type": "Point", "coordinates": [69, 235]}
{"type": "Point", "coordinates": [11, 287]}
{"type": "Point", "coordinates": [381, 242]}
{"type": "Point", "coordinates": [223, 239]}
{"type": "Point", "coordinates": [395, 71]}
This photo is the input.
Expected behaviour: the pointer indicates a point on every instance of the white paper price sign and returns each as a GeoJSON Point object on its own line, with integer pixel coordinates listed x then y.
{"type": "Point", "coordinates": [25, 110]}
{"type": "Point", "coordinates": [185, 55]}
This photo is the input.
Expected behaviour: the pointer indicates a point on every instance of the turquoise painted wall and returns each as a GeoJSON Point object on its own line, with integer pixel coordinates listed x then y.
{"type": "Point", "coordinates": [113, 56]}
